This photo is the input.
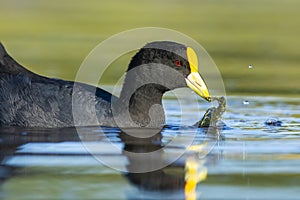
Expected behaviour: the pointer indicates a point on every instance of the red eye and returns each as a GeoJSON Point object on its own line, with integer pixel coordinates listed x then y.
{"type": "Point", "coordinates": [177, 63]}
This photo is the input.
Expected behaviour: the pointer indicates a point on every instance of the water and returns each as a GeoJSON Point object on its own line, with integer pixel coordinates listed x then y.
{"type": "Point", "coordinates": [249, 160]}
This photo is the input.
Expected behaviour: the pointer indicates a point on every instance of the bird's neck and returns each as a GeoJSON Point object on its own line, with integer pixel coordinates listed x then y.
{"type": "Point", "coordinates": [143, 105]}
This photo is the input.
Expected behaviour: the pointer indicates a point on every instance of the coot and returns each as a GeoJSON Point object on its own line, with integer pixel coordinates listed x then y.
{"type": "Point", "coordinates": [30, 100]}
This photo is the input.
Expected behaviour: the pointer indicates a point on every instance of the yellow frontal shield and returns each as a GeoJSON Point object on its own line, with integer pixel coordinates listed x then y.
{"type": "Point", "coordinates": [194, 79]}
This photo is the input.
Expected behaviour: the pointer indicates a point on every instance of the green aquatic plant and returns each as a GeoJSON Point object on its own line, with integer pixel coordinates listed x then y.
{"type": "Point", "coordinates": [213, 115]}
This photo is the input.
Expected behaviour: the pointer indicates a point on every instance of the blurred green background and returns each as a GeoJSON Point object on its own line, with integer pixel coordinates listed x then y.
{"type": "Point", "coordinates": [53, 37]}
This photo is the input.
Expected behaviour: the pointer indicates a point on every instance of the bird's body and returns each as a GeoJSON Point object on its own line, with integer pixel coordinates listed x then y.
{"type": "Point", "coordinates": [30, 100]}
{"type": "Point", "coordinates": [35, 101]}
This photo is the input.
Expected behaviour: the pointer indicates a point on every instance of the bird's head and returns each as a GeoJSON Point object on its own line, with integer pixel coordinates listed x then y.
{"type": "Point", "coordinates": [182, 59]}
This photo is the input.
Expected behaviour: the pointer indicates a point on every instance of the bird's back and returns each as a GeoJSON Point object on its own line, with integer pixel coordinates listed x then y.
{"type": "Point", "coordinates": [30, 100]}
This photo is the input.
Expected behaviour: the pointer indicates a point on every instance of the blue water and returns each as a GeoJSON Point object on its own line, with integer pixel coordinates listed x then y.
{"type": "Point", "coordinates": [248, 159]}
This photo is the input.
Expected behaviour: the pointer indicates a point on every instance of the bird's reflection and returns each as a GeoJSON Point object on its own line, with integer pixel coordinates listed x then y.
{"type": "Point", "coordinates": [181, 176]}
{"type": "Point", "coordinates": [154, 180]}
{"type": "Point", "coordinates": [13, 137]}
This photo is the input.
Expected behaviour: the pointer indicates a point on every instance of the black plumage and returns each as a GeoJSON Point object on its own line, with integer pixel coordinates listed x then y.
{"type": "Point", "coordinates": [30, 100]}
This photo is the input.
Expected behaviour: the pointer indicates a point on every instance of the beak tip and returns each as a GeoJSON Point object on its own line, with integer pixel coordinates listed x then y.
{"type": "Point", "coordinates": [208, 99]}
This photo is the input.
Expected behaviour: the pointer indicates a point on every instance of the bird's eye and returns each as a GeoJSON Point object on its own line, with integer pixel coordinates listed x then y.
{"type": "Point", "coordinates": [177, 63]}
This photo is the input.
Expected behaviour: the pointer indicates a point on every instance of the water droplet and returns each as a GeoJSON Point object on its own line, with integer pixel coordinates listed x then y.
{"type": "Point", "coordinates": [246, 102]}
{"type": "Point", "coordinates": [250, 67]}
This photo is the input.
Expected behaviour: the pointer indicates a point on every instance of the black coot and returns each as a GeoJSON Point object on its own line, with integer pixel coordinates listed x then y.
{"type": "Point", "coordinates": [30, 100]}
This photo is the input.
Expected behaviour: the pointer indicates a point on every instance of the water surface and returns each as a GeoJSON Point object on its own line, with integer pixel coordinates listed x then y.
{"type": "Point", "coordinates": [249, 160]}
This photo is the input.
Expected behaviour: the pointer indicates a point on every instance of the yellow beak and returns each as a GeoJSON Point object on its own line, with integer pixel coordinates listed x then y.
{"type": "Point", "coordinates": [196, 83]}
{"type": "Point", "coordinates": [194, 80]}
